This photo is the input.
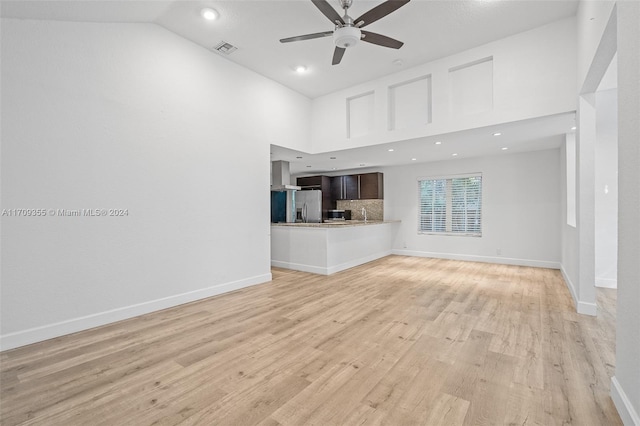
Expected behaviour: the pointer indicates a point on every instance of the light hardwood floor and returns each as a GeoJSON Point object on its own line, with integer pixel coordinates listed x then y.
{"type": "Point", "coordinates": [399, 341]}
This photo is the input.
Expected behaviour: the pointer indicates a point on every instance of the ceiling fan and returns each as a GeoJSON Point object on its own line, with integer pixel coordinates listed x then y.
{"type": "Point", "coordinates": [348, 31]}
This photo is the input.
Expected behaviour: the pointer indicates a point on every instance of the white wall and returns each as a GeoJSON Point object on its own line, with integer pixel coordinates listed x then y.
{"type": "Point", "coordinates": [131, 116]}
{"type": "Point", "coordinates": [605, 27]}
{"type": "Point", "coordinates": [592, 19]}
{"type": "Point", "coordinates": [595, 48]}
{"type": "Point", "coordinates": [569, 263]}
{"type": "Point", "coordinates": [585, 295]}
{"type": "Point", "coordinates": [626, 383]}
{"type": "Point", "coordinates": [520, 209]}
{"type": "Point", "coordinates": [533, 75]}
{"type": "Point", "coordinates": [606, 189]}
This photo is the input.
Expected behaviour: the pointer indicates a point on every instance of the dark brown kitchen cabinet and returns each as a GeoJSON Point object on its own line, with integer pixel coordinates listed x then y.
{"type": "Point", "coordinates": [345, 187]}
{"type": "Point", "coordinates": [351, 187]}
{"type": "Point", "coordinates": [310, 182]}
{"type": "Point", "coordinates": [357, 187]}
{"type": "Point", "coordinates": [337, 188]}
{"type": "Point", "coordinates": [371, 186]}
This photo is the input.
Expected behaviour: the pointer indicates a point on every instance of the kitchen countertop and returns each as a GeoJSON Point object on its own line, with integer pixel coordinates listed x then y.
{"type": "Point", "coordinates": [327, 248]}
{"type": "Point", "coordinates": [336, 224]}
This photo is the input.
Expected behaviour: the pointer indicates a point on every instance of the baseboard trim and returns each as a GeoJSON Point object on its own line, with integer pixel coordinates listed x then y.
{"type": "Point", "coordinates": [627, 413]}
{"type": "Point", "coordinates": [329, 269]}
{"type": "Point", "coordinates": [476, 258]}
{"type": "Point", "coordinates": [570, 286]}
{"type": "Point", "coordinates": [358, 262]}
{"type": "Point", "coordinates": [49, 331]}
{"type": "Point", "coordinates": [606, 283]}
{"type": "Point", "coordinates": [585, 308]}
{"type": "Point", "coordinates": [299, 267]}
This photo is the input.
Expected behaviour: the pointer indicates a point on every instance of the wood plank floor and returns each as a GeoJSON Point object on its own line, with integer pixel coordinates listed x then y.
{"type": "Point", "coordinates": [399, 341]}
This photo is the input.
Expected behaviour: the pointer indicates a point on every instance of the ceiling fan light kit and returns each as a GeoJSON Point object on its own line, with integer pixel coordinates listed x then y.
{"type": "Point", "coordinates": [348, 31]}
{"type": "Point", "coordinates": [346, 36]}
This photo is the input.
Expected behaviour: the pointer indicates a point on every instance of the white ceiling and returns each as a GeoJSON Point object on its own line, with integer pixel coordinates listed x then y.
{"type": "Point", "coordinates": [430, 30]}
{"type": "Point", "coordinates": [527, 135]}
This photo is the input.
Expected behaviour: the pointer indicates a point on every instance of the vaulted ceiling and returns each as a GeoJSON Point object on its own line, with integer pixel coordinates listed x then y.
{"type": "Point", "coordinates": [430, 29]}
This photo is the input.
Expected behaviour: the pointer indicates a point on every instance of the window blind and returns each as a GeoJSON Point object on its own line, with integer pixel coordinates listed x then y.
{"type": "Point", "coordinates": [451, 205]}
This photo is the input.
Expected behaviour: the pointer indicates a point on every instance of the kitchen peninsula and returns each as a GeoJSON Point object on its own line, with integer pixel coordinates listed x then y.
{"type": "Point", "coordinates": [327, 248]}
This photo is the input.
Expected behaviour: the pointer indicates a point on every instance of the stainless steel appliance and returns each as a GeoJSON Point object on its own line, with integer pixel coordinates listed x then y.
{"type": "Point", "coordinates": [339, 214]}
{"type": "Point", "coordinates": [308, 206]}
{"type": "Point", "coordinates": [281, 177]}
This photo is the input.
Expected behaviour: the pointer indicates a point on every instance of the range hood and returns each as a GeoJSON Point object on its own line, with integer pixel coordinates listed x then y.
{"type": "Point", "coordinates": [280, 177]}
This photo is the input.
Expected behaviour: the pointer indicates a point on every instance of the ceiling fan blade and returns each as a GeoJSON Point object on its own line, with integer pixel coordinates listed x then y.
{"type": "Point", "coordinates": [338, 53]}
{"type": "Point", "coordinates": [328, 11]}
{"type": "Point", "coordinates": [379, 11]}
{"type": "Point", "coordinates": [306, 37]}
{"type": "Point", "coordinates": [381, 40]}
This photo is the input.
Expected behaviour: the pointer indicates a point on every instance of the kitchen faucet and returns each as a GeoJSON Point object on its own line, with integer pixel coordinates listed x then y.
{"type": "Point", "coordinates": [364, 213]}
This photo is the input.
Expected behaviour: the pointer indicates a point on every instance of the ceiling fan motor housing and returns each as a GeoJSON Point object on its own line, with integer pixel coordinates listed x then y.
{"type": "Point", "coordinates": [346, 4]}
{"type": "Point", "coordinates": [346, 36]}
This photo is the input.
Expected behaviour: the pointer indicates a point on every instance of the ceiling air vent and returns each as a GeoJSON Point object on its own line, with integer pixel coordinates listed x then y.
{"type": "Point", "coordinates": [225, 48]}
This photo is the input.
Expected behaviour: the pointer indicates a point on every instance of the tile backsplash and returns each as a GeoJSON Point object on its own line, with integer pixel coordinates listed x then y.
{"type": "Point", "coordinates": [374, 208]}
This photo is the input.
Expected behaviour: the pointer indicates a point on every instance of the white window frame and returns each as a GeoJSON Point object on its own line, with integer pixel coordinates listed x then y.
{"type": "Point", "coordinates": [449, 205]}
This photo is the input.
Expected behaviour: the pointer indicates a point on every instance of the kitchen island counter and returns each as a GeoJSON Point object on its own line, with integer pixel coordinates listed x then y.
{"type": "Point", "coordinates": [337, 223]}
{"type": "Point", "coordinates": [327, 248]}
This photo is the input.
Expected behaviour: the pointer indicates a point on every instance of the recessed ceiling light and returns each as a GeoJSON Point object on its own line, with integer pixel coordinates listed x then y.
{"type": "Point", "coordinates": [300, 69]}
{"type": "Point", "coordinates": [573, 128]}
{"type": "Point", "coordinates": [413, 159]}
{"type": "Point", "coordinates": [504, 148]}
{"type": "Point", "coordinates": [454, 155]}
{"type": "Point", "coordinates": [333, 168]}
{"type": "Point", "coordinates": [497, 134]}
{"type": "Point", "coordinates": [438, 143]}
{"type": "Point", "coordinates": [308, 166]}
{"type": "Point", "coordinates": [209, 14]}
{"type": "Point", "coordinates": [332, 158]}
{"type": "Point", "coordinates": [390, 150]}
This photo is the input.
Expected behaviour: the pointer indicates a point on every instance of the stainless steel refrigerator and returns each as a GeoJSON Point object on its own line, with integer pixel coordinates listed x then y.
{"type": "Point", "coordinates": [309, 206]}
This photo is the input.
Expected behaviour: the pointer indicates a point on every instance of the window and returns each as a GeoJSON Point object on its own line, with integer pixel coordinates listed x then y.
{"type": "Point", "coordinates": [451, 205]}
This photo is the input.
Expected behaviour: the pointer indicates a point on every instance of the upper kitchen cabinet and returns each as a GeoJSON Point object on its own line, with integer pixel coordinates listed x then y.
{"type": "Point", "coordinates": [371, 186]}
{"type": "Point", "coordinates": [345, 187]}
{"type": "Point", "coordinates": [312, 182]}
{"type": "Point", "coordinates": [337, 188]}
{"type": "Point", "coordinates": [357, 187]}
